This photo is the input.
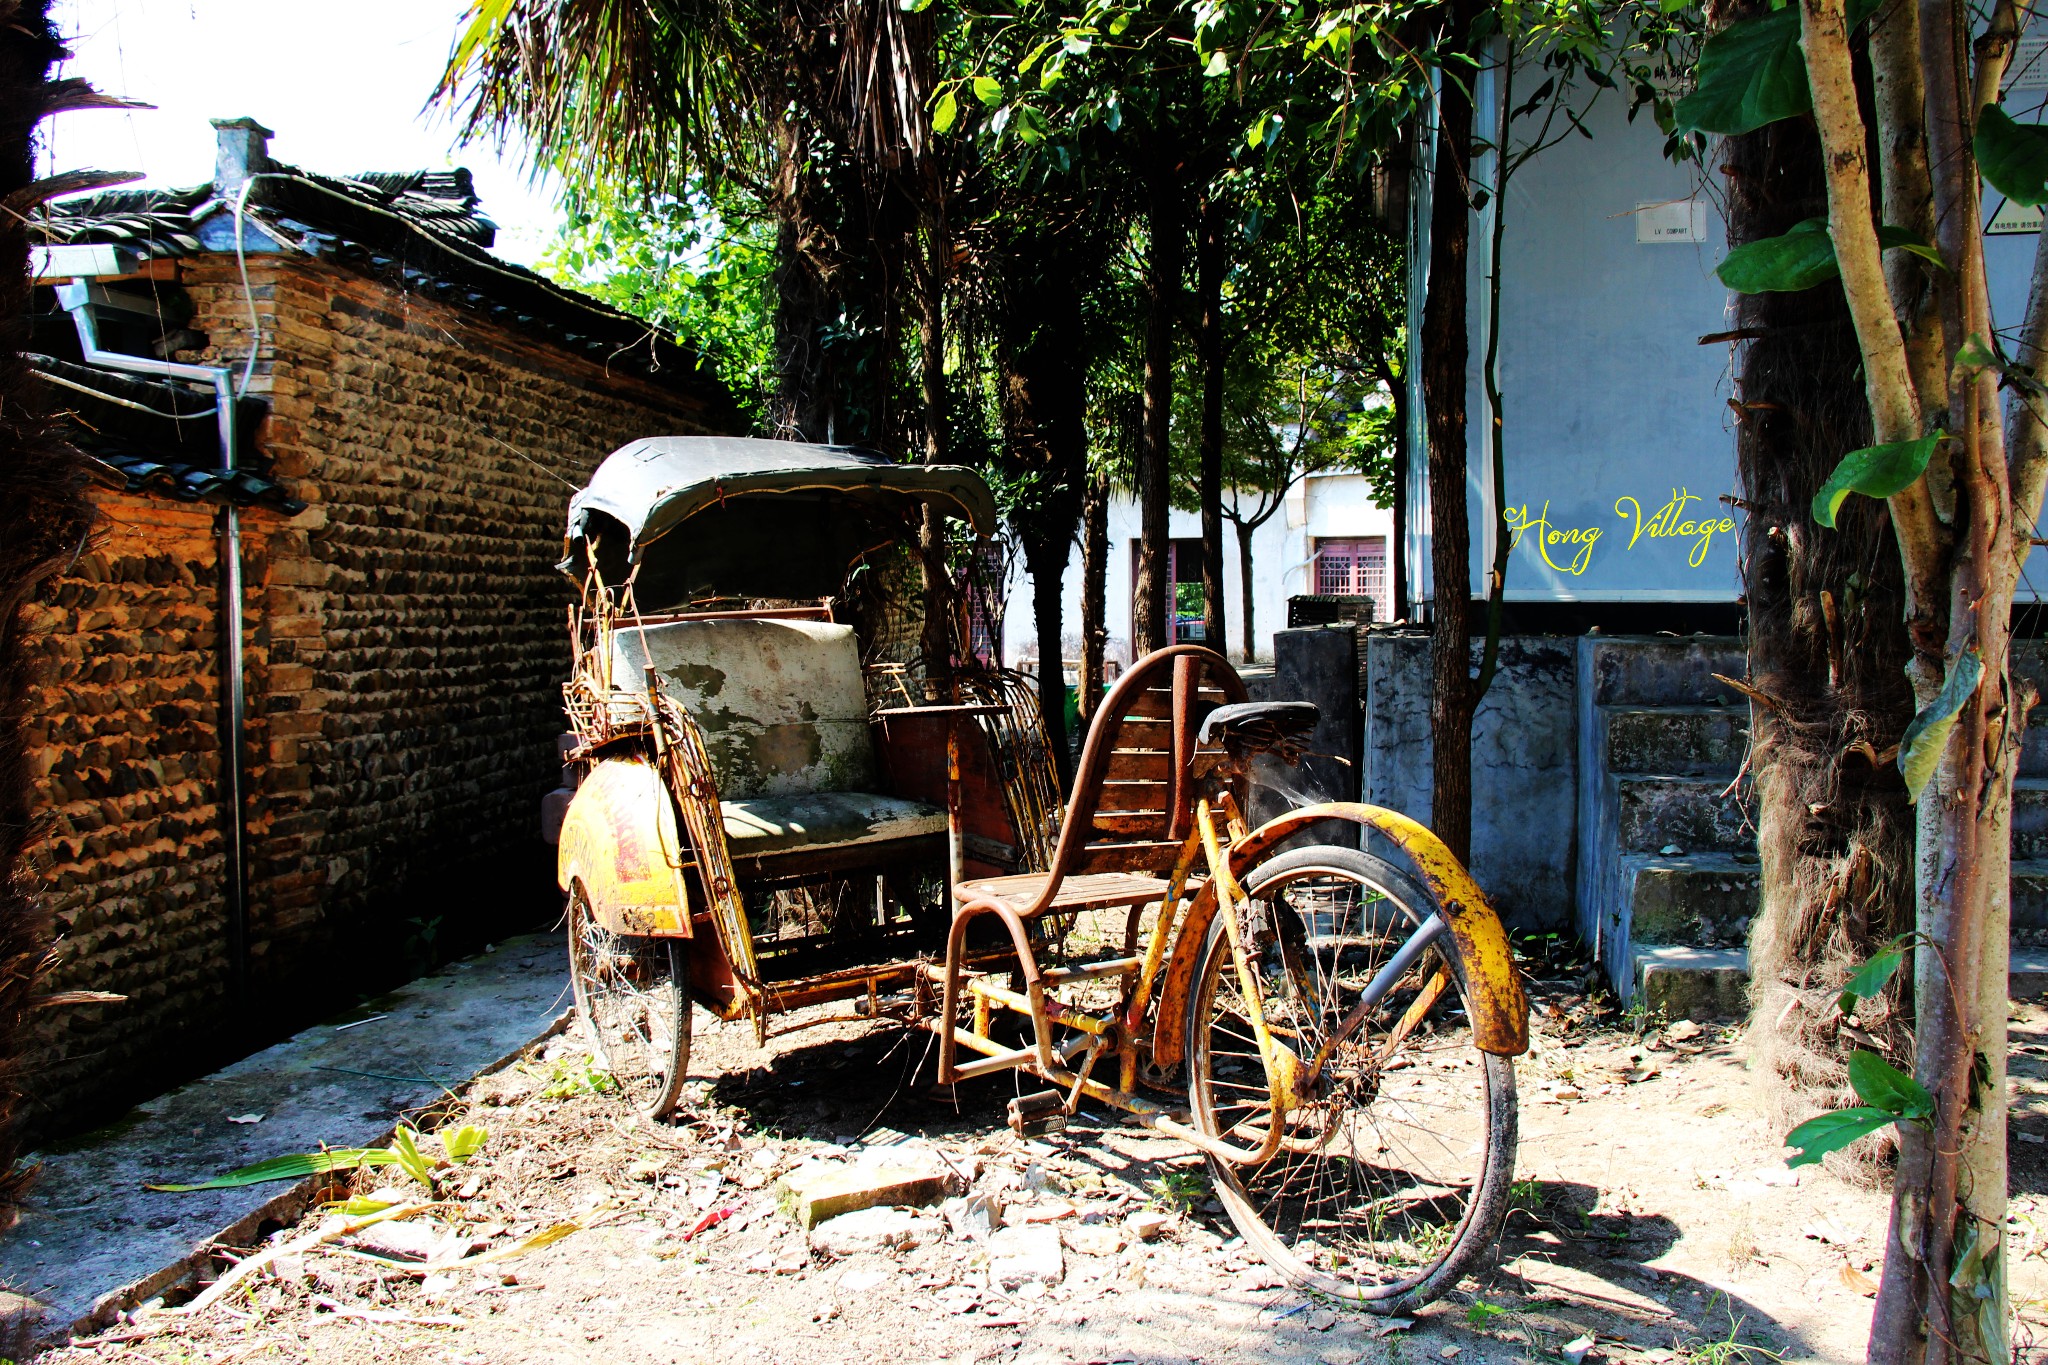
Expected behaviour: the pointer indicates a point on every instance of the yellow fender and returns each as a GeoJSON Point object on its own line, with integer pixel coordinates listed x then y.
{"type": "Point", "coordinates": [1500, 1007]}
{"type": "Point", "coordinates": [619, 841]}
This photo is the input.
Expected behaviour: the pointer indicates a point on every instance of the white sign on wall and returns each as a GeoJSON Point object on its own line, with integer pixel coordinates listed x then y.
{"type": "Point", "coordinates": [1671, 220]}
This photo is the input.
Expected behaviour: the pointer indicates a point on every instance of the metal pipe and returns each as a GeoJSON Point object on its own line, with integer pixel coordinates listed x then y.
{"type": "Point", "coordinates": [76, 299]}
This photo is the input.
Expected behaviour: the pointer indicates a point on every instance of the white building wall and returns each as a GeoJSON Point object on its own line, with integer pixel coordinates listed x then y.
{"type": "Point", "coordinates": [1320, 506]}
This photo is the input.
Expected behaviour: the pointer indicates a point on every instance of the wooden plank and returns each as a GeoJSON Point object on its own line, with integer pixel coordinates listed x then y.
{"type": "Point", "coordinates": [1138, 765]}
{"type": "Point", "coordinates": [1075, 892]}
{"type": "Point", "coordinates": [1132, 796]}
{"type": "Point", "coordinates": [1156, 703]}
{"type": "Point", "coordinates": [1142, 825]}
{"type": "Point", "coordinates": [1154, 858]}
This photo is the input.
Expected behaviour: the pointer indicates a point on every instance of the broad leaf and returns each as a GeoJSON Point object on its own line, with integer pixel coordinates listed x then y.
{"type": "Point", "coordinates": [1831, 1132]}
{"type": "Point", "coordinates": [988, 90]}
{"type": "Point", "coordinates": [1870, 978]}
{"type": "Point", "coordinates": [1800, 258]}
{"type": "Point", "coordinates": [1925, 739]}
{"type": "Point", "coordinates": [1875, 472]}
{"type": "Point", "coordinates": [2012, 157]}
{"type": "Point", "coordinates": [946, 113]}
{"type": "Point", "coordinates": [1803, 257]}
{"type": "Point", "coordinates": [1752, 73]}
{"type": "Point", "coordinates": [1883, 1086]}
{"type": "Point", "coordinates": [294, 1167]}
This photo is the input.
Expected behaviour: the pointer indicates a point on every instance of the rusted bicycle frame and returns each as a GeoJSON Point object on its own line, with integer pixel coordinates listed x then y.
{"type": "Point", "coordinates": [1143, 1034]}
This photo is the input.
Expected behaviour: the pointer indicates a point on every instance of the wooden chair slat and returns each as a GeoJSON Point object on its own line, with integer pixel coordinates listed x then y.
{"type": "Point", "coordinates": [1156, 703]}
{"type": "Point", "coordinates": [1133, 796]}
{"type": "Point", "coordinates": [1135, 857]}
{"type": "Point", "coordinates": [1144, 825]}
{"type": "Point", "coordinates": [1139, 765]}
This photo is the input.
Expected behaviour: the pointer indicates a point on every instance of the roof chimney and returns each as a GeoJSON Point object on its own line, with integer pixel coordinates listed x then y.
{"type": "Point", "coordinates": [241, 149]}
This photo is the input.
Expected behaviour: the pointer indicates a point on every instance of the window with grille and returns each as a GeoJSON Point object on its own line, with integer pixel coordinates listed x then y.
{"type": "Point", "coordinates": [1353, 568]}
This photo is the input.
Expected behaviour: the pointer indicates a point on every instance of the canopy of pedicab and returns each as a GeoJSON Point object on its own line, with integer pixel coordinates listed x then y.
{"type": "Point", "coordinates": [696, 517]}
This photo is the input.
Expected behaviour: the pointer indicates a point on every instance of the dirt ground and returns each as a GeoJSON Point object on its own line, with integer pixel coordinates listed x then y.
{"type": "Point", "coordinates": [1654, 1216]}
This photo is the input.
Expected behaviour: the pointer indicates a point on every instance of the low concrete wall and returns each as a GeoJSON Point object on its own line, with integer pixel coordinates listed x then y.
{"type": "Point", "coordinates": [1524, 765]}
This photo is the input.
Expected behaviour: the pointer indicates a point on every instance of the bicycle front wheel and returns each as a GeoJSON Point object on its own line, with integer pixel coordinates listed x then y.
{"type": "Point", "coordinates": [632, 1006]}
{"type": "Point", "coordinates": [1395, 1146]}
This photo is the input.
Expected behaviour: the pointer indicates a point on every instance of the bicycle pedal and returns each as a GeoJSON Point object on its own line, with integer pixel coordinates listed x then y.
{"type": "Point", "coordinates": [1039, 1114]}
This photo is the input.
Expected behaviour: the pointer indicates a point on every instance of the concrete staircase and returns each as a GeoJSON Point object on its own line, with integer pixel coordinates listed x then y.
{"type": "Point", "coordinates": [1667, 866]}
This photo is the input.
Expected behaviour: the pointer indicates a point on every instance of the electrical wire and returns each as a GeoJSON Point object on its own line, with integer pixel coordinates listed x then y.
{"type": "Point", "coordinates": [47, 377]}
{"type": "Point", "coordinates": [248, 295]}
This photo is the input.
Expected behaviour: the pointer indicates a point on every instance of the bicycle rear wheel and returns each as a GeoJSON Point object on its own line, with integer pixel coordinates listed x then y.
{"type": "Point", "coordinates": [1394, 1159]}
{"type": "Point", "coordinates": [632, 1006]}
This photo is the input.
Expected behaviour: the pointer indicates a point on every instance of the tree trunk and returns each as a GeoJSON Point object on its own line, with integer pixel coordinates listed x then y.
{"type": "Point", "coordinates": [1244, 581]}
{"type": "Point", "coordinates": [1210, 263]}
{"type": "Point", "coordinates": [1165, 226]}
{"type": "Point", "coordinates": [1094, 590]}
{"type": "Point", "coordinates": [1045, 558]}
{"type": "Point", "coordinates": [1444, 353]}
{"type": "Point", "coordinates": [1834, 832]}
{"type": "Point", "coordinates": [45, 521]}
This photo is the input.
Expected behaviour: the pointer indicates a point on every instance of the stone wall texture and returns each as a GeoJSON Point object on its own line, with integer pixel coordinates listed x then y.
{"type": "Point", "coordinates": [405, 644]}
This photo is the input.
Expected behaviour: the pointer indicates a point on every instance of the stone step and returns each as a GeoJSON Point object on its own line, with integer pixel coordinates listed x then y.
{"type": "Point", "coordinates": [1712, 983]}
{"type": "Point", "coordinates": [1689, 814]}
{"type": "Point", "coordinates": [1703, 900]}
{"type": "Point", "coordinates": [1659, 670]}
{"type": "Point", "coordinates": [1693, 740]}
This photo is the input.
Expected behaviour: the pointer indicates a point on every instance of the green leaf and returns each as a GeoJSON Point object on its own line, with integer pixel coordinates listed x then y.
{"type": "Point", "coordinates": [463, 1143]}
{"type": "Point", "coordinates": [946, 113]}
{"type": "Point", "coordinates": [1255, 134]}
{"type": "Point", "coordinates": [2012, 157]}
{"type": "Point", "coordinates": [1831, 1132]}
{"type": "Point", "coordinates": [1800, 258]}
{"type": "Point", "coordinates": [294, 1167]}
{"type": "Point", "coordinates": [1891, 238]}
{"type": "Point", "coordinates": [358, 1206]}
{"type": "Point", "coordinates": [1870, 978]}
{"type": "Point", "coordinates": [405, 1150]}
{"type": "Point", "coordinates": [1975, 354]}
{"type": "Point", "coordinates": [1217, 65]}
{"type": "Point", "coordinates": [1921, 748]}
{"type": "Point", "coordinates": [1118, 24]}
{"type": "Point", "coordinates": [1875, 472]}
{"type": "Point", "coordinates": [988, 90]}
{"type": "Point", "coordinates": [1883, 1086]}
{"type": "Point", "coordinates": [1750, 73]}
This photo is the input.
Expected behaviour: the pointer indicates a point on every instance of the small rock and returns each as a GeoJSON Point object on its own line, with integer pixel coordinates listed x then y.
{"type": "Point", "coordinates": [245, 1118]}
{"type": "Point", "coordinates": [1341, 1355]}
{"type": "Point", "coordinates": [1097, 1239]}
{"type": "Point", "coordinates": [437, 1286]}
{"type": "Point", "coordinates": [1683, 1030]}
{"type": "Point", "coordinates": [1577, 1349]}
{"type": "Point", "coordinates": [1047, 1211]}
{"type": "Point", "coordinates": [867, 1230]}
{"type": "Point", "coordinates": [1025, 1255]}
{"type": "Point", "coordinates": [1671, 851]}
{"type": "Point", "coordinates": [973, 1216]}
{"type": "Point", "coordinates": [1147, 1224]}
{"type": "Point", "coordinates": [861, 1281]}
{"type": "Point", "coordinates": [1450, 1352]}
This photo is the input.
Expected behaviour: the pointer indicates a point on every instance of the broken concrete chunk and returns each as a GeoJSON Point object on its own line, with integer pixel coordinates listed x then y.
{"type": "Point", "coordinates": [1026, 1255]}
{"type": "Point", "coordinates": [1146, 1224]}
{"type": "Point", "coordinates": [878, 1229]}
{"type": "Point", "coordinates": [1096, 1239]}
{"type": "Point", "coordinates": [816, 1191]}
{"type": "Point", "coordinates": [974, 1216]}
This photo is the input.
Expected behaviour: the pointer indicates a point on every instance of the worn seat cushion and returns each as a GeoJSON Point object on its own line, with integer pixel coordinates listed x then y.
{"type": "Point", "coordinates": [819, 820]}
{"type": "Point", "coordinates": [780, 703]}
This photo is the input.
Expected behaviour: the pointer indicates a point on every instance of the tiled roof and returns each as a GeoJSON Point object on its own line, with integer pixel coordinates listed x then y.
{"type": "Point", "coordinates": [421, 231]}
{"type": "Point", "coordinates": [160, 438]}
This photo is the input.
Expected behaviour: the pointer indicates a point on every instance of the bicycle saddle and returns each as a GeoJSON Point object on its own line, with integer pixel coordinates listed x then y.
{"type": "Point", "coordinates": [1253, 727]}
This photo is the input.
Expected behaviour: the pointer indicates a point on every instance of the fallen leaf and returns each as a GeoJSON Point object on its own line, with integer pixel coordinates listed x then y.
{"type": "Point", "coordinates": [1450, 1352]}
{"type": "Point", "coordinates": [1393, 1325]}
{"type": "Point", "coordinates": [1856, 1282]}
{"type": "Point", "coordinates": [1577, 1348]}
{"type": "Point", "coordinates": [711, 1220]}
{"type": "Point", "coordinates": [1682, 1030]}
{"type": "Point", "coordinates": [245, 1118]}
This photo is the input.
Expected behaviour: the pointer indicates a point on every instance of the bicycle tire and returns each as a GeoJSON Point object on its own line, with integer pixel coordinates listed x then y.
{"type": "Point", "coordinates": [1371, 1269]}
{"type": "Point", "coordinates": [632, 1007]}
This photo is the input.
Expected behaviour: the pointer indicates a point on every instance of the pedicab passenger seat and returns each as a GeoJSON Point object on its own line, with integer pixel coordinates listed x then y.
{"type": "Point", "coordinates": [783, 712]}
{"type": "Point", "coordinates": [1133, 790]}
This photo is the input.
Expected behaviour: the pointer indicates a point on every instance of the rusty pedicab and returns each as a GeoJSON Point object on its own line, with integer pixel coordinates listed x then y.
{"type": "Point", "coordinates": [763, 824]}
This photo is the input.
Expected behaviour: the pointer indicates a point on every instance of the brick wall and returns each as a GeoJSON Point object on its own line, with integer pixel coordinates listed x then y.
{"type": "Point", "coordinates": [406, 644]}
